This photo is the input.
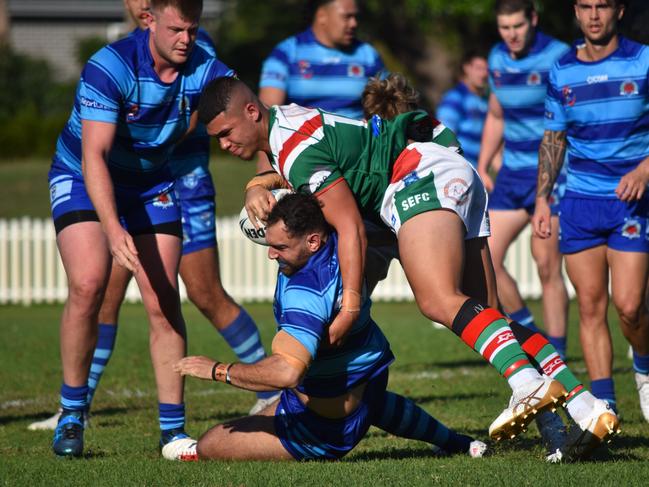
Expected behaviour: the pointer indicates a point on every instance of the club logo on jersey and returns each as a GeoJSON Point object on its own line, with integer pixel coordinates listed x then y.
{"type": "Point", "coordinates": [132, 112]}
{"type": "Point", "coordinates": [355, 71]}
{"type": "Point", "coordinates": [163, 201]}
{"type": "Point", "coordinates": [569, 97]}
{"type": "Point", "coordinates": [631, 229]}
{"type": "Point", "coordinates": [316, 180]}
{"type": "Point", "coordinates": [305, 69]}
{"type": "Point", "coordinates": [497, 75]}
{"type": "Point", "coordinates": [628, 88]}
{"type": "Point", "coordinates": [534, 78]}
{"type": "Point", "coordinates": [457, 189]}
{"type": "Point", "coordinates": [410, 178]}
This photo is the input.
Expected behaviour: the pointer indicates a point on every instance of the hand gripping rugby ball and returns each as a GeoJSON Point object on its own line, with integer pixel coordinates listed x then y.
{"type": "Point", "coordinates": [257, 235]}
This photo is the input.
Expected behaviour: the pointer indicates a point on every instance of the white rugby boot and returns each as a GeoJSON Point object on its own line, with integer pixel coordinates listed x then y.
{"type": "Point", "coordinates": [477, 449]}
{"type": "Point", "coordinates": [262, 404]}
{"type": "Point", "coordinates": [178, 445]}
{"type": "Point", "coordinates": [642, 381]}
{"type": "Point", "coordinates": [595, 428]}
{"type": "Point", "coordinates": [526, 402]}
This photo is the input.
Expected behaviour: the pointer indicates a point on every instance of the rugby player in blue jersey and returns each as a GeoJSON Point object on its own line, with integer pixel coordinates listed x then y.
{"type": "Point", "coordinates": [330, 396]}
{"type": "Point", "coordinates": [464, 107]}
{"type": "Point", "coordinates": [199, 264]}
{"type": "Point", "coordinates": [597, 108]}
{"type": "Point", "coordinates": [112, 200]}
{"type": "Point", "coordinates": [518, 68]}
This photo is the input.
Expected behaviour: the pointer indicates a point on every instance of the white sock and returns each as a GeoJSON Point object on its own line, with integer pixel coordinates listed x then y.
{"type": "Point", "coordinates": [523, 378]}
{"type": "Point", "coordinates": [581, 406]}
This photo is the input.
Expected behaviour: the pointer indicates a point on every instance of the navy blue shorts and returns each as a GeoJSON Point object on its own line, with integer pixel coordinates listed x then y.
{"type": "Point", "coordinates": [308, 436]}
{"type": "Point", "coordinates": [516, 190]}
{"type": "Point", "coordinates": [142, 209]}
{"type": "Point", "coordinates": [195, 193]}
{"type": "Point", "coordinates": [587, 222]}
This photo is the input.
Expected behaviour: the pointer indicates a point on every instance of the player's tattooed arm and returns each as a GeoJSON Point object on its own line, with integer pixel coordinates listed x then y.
{"type": "Point", "coordinates": [551, 156]}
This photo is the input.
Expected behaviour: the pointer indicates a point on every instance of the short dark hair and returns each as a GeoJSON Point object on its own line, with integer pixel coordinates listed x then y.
{"type": "Point", "coordinates": [215, 98]}
{"type": "Point", "coordinates": [312, 7]}
{"type": "Point", "coordinates": [189, 9]}
{"type": "Point", "coordinates": [472, 54]}
{"type": "Point", "coordinates": [301, 214]}
{"type": "Point", "coordinates": [507, 7]}
{"type": "Point", "coordinates": [618, 3]}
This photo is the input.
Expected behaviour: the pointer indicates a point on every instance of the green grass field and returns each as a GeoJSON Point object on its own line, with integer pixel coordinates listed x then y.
{"type": "Point", "coordinates": [25, 191]}
{"type": "Point", "coordinates": [433, 367]}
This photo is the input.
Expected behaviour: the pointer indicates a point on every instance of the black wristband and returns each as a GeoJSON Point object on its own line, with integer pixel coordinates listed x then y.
{"type": "Point", "coordinates": [216, 364]}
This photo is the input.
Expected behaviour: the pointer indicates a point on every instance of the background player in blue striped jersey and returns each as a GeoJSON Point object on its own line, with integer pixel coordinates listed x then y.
{"type": "Point", "coordinates": [325, 66]}
{"type": "Point", "coordinates": [518, 70]}
{"type": "Point", "coordinates": [464, 107]}
{"type": "Point", "coordinates": [330, 396]}
{"type": "Point", "coordinates": [598, 108]}
{"type": "Point", "coordinates": [111, 193]}
{"type": "Point", "coordinates": [199, 265]}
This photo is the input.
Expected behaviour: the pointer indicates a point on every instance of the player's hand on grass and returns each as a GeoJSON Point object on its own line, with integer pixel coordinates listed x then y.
{"type": "Point", "coordinates": [259, 202]}
{"type": "Point", "coordinates": [632, 186]}
{"type": "Point", "coordinates": [195, 366]}
{"type": "Point", "coordinates": [542, 219]}
{"type": "Point", "coordinates": [122, 247]}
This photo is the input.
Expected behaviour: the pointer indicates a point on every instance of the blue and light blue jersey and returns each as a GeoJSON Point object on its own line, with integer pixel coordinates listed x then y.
{"type": "Point", "coordinates": [119, 86]}
{"type": "Point", "coordinates": [464, 113]}
{"type": "Point", "coordinates": [520, 86]}
{"type": "Point", "coordinates": [305, 304]}
{"type": "Point", "coordinates": [604, 108]}
{"type": "Point", "coordinates": [316, 76]}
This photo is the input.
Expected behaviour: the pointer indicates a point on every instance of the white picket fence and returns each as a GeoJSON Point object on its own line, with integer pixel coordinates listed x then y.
{"type": "Point", "coordinates": [31, 270]}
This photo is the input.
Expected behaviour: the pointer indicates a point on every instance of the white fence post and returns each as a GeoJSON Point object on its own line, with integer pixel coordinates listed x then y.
{"type": "Point", "coordinates": [31, 270]}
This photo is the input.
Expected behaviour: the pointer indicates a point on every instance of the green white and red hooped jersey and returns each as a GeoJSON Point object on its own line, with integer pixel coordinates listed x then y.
{"type": "Point", "coordinates": [313, 149]}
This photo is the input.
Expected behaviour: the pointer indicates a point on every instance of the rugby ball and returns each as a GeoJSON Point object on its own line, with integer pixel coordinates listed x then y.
{"type": "Point", "coordinates": [258, 235]}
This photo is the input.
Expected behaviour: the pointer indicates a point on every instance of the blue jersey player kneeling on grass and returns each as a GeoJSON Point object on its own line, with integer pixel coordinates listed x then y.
{"type": "Point", "coordinates": [330, 396]}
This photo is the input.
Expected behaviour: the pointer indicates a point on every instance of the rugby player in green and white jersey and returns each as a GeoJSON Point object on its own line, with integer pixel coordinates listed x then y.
{"type": "Point", "coordinates": [433, 201]}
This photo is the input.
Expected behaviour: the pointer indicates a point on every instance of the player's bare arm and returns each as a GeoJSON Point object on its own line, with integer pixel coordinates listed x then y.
{"type": "Point", "coordinates": [492, 137]}
{"type": "Point", "coordinates": [97, 140]}
{"type": "Point", "coordinates": [258, 198]}
{"type": "Point", "coordinates": [341, 212]}
{"type": "Point", "coordinates": [633, 185]}
{"type": "Point", "coordinates": [283, 369]}
{"type": "Point", "coordinates": [551, 156]}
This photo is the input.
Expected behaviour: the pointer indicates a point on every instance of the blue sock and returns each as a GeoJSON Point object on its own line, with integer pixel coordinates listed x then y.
{"type": "Point", "coordinates": [640, 363]}
{"type": "Point", "coordinates": [243, 337]}
{"type": "Point", "coordinates": [525, 318]}
{"type": "Point", "coordinates": [171, 416]}
{"type": "Point", "coordinates": [604, 389]}
{"type": "Point", "coordinates": [74, 398]}
{"type": "Point", "coordinates": [402, 417]}
{"type": "Point", "coordinates": [560, 343]}
{"type": "Point", "coordinates": [103, 351]}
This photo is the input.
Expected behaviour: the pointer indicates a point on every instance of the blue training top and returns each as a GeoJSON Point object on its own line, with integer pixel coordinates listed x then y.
{"type": "Point", "coordinates": [118, 85]}
{"type": "Point", "coordinates": [464, 113]}
{"type": "Point", "coordinates": [316, 76]}
{"type": "Point", "coordinates": [304, 306]}
{"type": "Point", "coordinates": [520, 86]}
{"type": "Point", "coordinates": [604, 108]}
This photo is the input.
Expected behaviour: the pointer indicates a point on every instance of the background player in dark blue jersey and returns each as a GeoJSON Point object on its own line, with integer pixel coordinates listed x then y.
{"type": "Point", "coordinates": [111, 194]}
{"type": "Point", "coordinates": [464, 107]}
{"type": "Point", "coordinates": [325, 66]}
{"type": "Point", "coordinates": [199, 265]}
{"type": "Point", "coordinates": [597, 107]}
{"type": "Point", "coordinates": [518, 69]}
{"type": "Point", "coordinates": [330, 396]}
